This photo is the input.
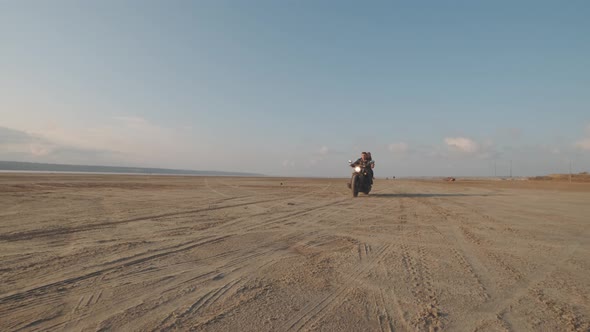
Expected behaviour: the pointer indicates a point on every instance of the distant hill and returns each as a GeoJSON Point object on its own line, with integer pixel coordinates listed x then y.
{"type": "Point", "coordinates": [41, 167]}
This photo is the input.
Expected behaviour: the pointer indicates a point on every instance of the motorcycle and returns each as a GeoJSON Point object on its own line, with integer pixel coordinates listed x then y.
{"type": "Point", "coordinates": [362, 179]}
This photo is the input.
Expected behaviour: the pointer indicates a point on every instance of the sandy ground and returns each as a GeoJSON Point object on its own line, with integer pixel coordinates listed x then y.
{"type": "Point", "coordinates": [124, 253]}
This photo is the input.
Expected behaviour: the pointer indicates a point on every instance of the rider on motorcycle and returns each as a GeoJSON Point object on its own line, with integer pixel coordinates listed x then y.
{"type": "Point", "coordinates": [364, 161]}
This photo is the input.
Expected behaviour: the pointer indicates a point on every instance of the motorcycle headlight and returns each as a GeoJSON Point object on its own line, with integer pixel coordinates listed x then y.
{"type": "Point", "coordinates": [357, 169]}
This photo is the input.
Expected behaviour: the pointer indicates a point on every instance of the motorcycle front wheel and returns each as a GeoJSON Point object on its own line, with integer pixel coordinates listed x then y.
{"type": "Point", "coordinates": [354, 186]}
{"type": "Point", "coordinates": [367, 189]}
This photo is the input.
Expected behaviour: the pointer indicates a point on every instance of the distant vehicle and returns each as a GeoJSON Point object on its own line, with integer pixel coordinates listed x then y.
{"type": "Point", "coordinates": [361, 179]}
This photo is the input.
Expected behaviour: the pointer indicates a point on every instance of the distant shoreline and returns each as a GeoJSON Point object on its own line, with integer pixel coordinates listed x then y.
{"type": "Point", "coordinates": [29, 167]}
{"type": "Point", "coordinates": [116, 173]}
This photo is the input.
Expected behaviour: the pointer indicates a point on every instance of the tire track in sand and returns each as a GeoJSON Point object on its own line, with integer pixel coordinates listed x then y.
{"type": "Point", "coordinates": [176, 321]}
{"type": "Point", "coordinates": [468, 248]}
{"type": "Point", "coordinates": [316, 309]}
{"type": "Point", "coordinates": [496, 304]}
{"type": "Point", "coordinates": [36, 291]}
{"type": "Point", "coordinates": [526, 286]}
{"type": "Point", "coordinates": [28, 235]}
{"type": "Point", "coordinates": [429, 316]}
{"type": "Point", "coordinates": [169, 299]}
{"type": "Point", "coordinates": [384, 307]}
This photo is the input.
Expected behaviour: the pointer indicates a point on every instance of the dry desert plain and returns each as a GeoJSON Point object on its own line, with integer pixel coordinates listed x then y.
{"type": "Point", "coordinates": [166, 253]}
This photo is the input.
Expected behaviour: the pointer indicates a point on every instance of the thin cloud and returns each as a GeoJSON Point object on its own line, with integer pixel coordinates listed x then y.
{"type": "Point", "coordinates": [132, 120]}
{"type": "Point", "coordinates": [24, 146]}
{"type": "Point", "coordinates": [10, 136]}
{"type": "Point", "coordinates": [324, 150]}
{"type": "Point", "coordinates": [467, 147]}
{"type": "Point", "coordinates": [400, 147]}
{"type": "Point", "coordinates": [513, 133]}
{"type": "Point", "coordinates": [40, 150]}
{"type": "Point", "coordinates": [462, 144]}
{"type": "Point", "coordinates": [318, 156]}
{"type": "Point", "coordinates": [131, 139]}
{"type": "Point", "coordinates": [584, 143]}
{"type": "Point", "coordinates": [14, 141]}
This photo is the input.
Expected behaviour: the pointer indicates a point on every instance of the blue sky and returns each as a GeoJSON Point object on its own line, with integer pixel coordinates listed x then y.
{"type": "Point", "coordinates": [297, 88]}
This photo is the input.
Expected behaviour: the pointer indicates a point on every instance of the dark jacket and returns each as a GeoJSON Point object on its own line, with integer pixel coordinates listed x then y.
{"type": "Point", "coordinates": [362, 163]}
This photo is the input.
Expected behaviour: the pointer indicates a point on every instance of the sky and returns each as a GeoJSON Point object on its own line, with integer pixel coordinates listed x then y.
{"type": "Point", "coordinates": [297, 88]}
